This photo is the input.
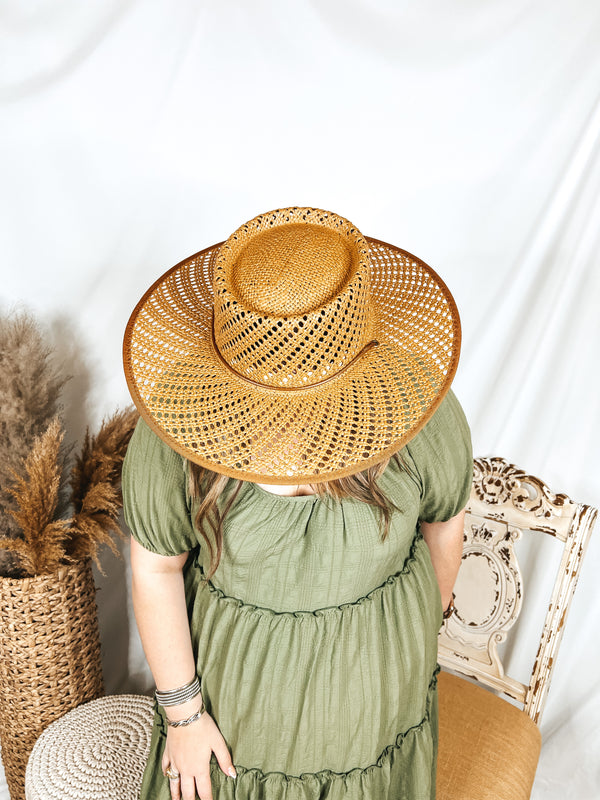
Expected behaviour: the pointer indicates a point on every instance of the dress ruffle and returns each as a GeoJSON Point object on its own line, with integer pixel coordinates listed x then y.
{"type": "Point", "coordinates": [308, 683]}
{"type": "Point", "coordinates": [405, 770]}
{"type": "Point", "coordinates": [251, 608]}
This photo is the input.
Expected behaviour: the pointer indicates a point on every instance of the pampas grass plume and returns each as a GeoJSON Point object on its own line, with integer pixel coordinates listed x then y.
{"type": "Point", "coordinates": [96, 486]}
{"type": "Point", "coordinates": [35, 493]}
{"type": "Point", "coordinates": [30, 388]}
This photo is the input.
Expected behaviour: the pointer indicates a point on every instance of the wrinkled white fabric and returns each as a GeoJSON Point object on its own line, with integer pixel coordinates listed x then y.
{"type": "Point", "coordinates": [133, 134]}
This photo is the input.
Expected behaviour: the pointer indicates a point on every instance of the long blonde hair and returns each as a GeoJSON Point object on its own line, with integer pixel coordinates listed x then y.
{"type": "Point", "coordinates": [208, 485]}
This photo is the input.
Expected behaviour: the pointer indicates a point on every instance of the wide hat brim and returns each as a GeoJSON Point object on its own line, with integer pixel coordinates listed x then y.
{"type": "Point", "coordinates": [220, 421]}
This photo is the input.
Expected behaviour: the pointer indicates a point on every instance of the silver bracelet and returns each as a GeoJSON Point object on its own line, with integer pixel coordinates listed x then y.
{"type": "Point", "coordinates": [175, 697]}
{"type": "Point", "coordinates": [181, 722]}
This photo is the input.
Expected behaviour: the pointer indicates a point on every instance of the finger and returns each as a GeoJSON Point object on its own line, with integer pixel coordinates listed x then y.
{"type": "Point", "coordinates": [203, 787]}
{"type": "Point", "coordinates": [165, 761]}
{"type": "Point", "coordinates": [175, 788]}
{"type": "Point", "coordinates": [188, 788]}
{"type": "Point", "coordinates": [224, 758]}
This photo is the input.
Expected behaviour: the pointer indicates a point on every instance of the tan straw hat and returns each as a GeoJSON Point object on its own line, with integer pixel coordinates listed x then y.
{"type": "Point", "coordinates": [297, 351]}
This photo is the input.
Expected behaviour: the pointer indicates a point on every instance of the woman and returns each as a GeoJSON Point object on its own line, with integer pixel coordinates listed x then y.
{"type": "Point", "coordinates": [295, 493]}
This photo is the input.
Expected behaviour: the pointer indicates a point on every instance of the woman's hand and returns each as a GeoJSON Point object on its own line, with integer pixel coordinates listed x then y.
{"type": "Point", "coordinates": [188, 751]}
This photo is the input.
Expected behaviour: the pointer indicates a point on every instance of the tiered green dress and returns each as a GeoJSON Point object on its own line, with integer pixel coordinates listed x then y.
{"type": "Point", "coordinates": [316, 641]}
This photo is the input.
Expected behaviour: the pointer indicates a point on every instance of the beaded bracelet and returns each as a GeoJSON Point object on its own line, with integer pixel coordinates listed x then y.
{"type": "Point", "coordinates": [175, 697]}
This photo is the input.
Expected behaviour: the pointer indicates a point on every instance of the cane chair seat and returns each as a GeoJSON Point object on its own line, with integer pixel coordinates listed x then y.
{"type": "Point", "coordinates": [488, 749]}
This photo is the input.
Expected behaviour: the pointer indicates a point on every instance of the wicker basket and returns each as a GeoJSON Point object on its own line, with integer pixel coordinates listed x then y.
{"type": "Point", "coordinates": [49, 658]}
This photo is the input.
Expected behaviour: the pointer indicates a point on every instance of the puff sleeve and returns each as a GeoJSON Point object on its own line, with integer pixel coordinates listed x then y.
{"type": "Point", "coordinates": [443, 459]}
{"type": "Point", "coordinates": [155, 499]}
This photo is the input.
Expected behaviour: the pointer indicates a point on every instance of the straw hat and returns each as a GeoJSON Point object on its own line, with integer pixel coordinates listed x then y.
{"type": "Point", "coordinates": [297, 351]}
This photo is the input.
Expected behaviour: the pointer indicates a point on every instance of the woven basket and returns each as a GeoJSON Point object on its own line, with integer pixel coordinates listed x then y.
{"type": "Point", "coordinates": [49, 658]}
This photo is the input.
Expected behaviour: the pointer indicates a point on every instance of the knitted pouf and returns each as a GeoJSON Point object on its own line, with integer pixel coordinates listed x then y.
{"type": "Point", "coordinates": [95, 752]}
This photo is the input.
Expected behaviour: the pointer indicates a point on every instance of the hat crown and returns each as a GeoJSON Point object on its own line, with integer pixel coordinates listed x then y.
{"type": "Point", "coordinates": [292, 269]}
{"type": "Point", "coordinates": [292, 298]}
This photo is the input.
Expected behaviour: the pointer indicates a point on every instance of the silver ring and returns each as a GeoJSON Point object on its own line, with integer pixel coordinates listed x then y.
{"type": "Point", "coordinates": [171, 773]}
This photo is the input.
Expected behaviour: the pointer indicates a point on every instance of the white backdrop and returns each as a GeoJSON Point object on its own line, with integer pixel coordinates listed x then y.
{"type": "Point", "coordinates": [133, 134]}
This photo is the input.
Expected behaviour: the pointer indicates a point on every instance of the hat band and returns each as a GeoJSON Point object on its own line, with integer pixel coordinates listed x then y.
{"type": "Point", "coordinates": [366, 348]}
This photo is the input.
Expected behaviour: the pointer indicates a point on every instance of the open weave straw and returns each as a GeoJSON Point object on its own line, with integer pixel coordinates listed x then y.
{"type": "Point", "coordinates": [49, 658]}
{"type": "Point", "coordinates": [296, 352]}
{"type": "Point", "coordinates": [96, 752]}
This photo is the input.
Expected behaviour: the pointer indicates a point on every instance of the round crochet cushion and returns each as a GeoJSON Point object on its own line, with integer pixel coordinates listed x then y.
{"type": "Point", "coordinates": [95, 752]}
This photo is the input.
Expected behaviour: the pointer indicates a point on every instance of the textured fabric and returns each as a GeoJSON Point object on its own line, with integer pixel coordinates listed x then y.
{"type": "Point", "coordinates": [328, 634]}
{"type": "Point", "coordinates": [488, 749]}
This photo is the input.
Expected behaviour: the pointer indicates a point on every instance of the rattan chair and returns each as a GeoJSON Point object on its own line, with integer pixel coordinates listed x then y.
{"type": "Point", "coordinates": [488, 746]}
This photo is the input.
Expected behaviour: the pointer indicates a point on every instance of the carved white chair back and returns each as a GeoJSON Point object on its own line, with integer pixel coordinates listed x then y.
{"type": "Point", "coordinates": [505, 503]}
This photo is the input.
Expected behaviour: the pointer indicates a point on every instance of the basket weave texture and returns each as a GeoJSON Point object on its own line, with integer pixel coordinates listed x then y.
{"type": "Point", "coordinates": [96, 752]}
{"type": "Point", "coordinates": [49, 658]}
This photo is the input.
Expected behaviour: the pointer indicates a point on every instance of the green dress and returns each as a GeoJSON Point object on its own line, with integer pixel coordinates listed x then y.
{"type": "Point", "coordinates": [315, 640]}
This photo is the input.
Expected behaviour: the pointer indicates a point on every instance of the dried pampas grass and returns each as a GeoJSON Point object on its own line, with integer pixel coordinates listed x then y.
{"type": "Point", "coordinates": [36, 497]}
{"type": "Point", "coordinates": [45, 542]}
{"type": "Point", "coordinates": [96, 486]}
{"type": "Point", "coordinates": [50, 514]}
{"type": "Point", "coordinates": [30, 388]}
